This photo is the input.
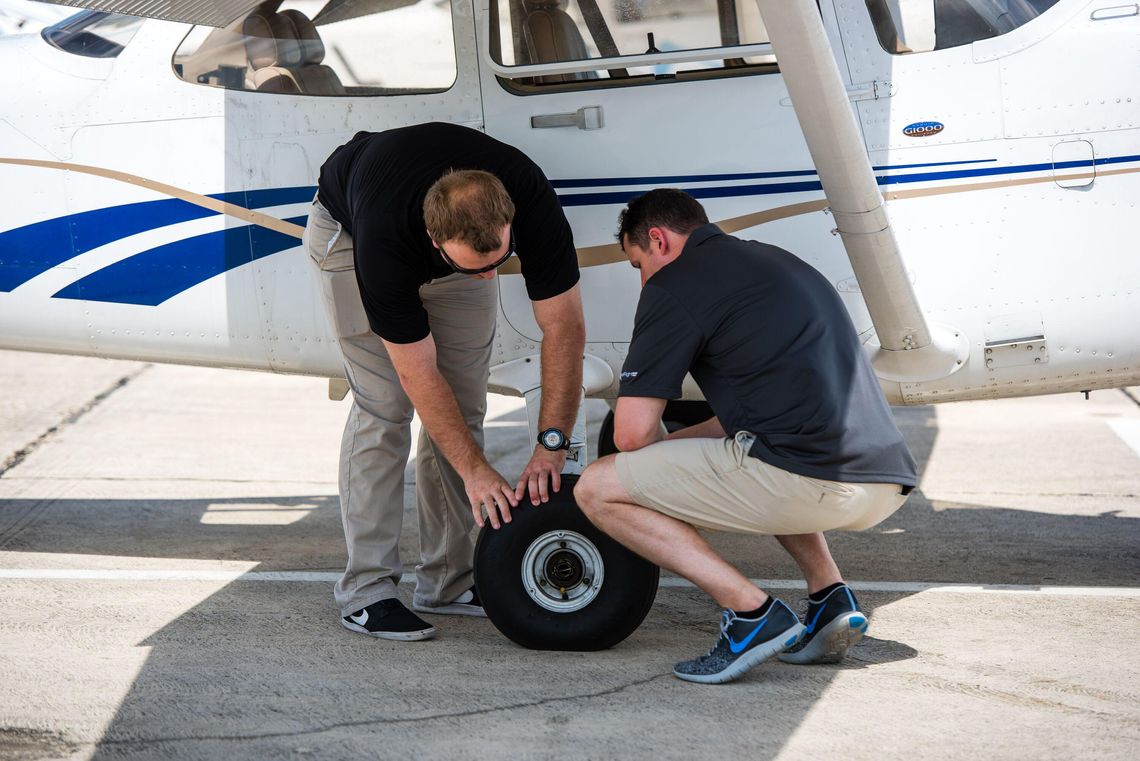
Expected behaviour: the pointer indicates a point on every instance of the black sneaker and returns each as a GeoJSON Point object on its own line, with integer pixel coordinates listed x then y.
{"type": "Point", "coordinates": [743, 643]}
{"type": "Point", "coordinates": [388, 619]}
{"type": "Point", "coordinates": [467, 604]}
{"type": "Point", "coordinates": [833, 625]}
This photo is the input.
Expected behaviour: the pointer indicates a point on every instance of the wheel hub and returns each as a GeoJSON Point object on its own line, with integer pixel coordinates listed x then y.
{"type": "Point", "coordinates": [562, 571]}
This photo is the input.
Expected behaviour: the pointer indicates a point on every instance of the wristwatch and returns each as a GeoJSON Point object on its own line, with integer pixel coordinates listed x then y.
{"type": "Point", "coordinates": [553, 439]}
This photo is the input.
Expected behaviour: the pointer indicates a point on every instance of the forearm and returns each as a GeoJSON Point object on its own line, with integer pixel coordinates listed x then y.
{"type": "Point", "coordinates": [561, 378]}
{"type": "Point", "coordinates": [439, 413]}
{"type": "Point", "coordinates": [709, 429]}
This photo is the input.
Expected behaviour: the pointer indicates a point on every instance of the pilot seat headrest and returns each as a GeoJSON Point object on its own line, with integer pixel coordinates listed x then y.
{"type": "Point", "coordinates": [311, 48]}
{"type": "Point", "coordinates": [271, 40]}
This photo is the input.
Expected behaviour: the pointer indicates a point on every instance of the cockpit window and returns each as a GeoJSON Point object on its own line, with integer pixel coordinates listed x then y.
{"type": "Point", "coordinates": [93, 34]}
{"type": "Point", "coordinates": [327, 47]}
{"type": "Point", "coordinates": [919, 26]}
{"type": "Point", "coordinates": [538, 32]}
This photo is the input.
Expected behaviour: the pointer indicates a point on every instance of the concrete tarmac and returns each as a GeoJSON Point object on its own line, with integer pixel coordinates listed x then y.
{"type": "Point", "coordinates": [143, 509]}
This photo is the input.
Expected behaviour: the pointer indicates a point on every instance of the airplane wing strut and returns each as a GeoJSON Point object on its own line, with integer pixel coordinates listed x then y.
{"type": "Point", "coordinates": [910, 349]}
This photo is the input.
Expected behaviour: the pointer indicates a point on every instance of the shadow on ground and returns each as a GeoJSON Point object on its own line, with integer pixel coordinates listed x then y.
{"type": "Point", "coordinates": [262, 670]}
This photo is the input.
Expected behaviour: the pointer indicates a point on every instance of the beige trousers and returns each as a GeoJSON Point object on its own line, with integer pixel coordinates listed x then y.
{"type": "Point", "coordinates": [377, 436]}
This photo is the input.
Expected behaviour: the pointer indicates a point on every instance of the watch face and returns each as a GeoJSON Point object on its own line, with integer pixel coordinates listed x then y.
{"type": "Point", "coordinates": [552, 439]}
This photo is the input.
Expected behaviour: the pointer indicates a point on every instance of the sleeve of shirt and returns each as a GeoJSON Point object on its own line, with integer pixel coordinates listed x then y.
{"type": "Point", "coordinates": [389, 289]}
{"type": "Point", "coordinates": [543, 239]}
{"type": "Point", "coordinates": [665, 344]}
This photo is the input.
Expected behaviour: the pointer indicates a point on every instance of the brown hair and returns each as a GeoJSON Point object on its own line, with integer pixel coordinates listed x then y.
{"type": "Point", "coordinates": [670, 208]}
{"type": "Point", "coordinates": [468, 205]}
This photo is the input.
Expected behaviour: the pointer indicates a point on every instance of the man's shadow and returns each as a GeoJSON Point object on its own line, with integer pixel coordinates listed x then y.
{"type": "Point", "coordinates": [263, 670]}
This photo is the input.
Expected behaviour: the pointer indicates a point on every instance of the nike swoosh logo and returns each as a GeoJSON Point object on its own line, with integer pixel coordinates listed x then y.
{"type": "Point", "coordinates": [360, 620]}
{"type": "Point", "coordinates": [737, 647]}
{"type": "Point", "coordinates": [814, 621]}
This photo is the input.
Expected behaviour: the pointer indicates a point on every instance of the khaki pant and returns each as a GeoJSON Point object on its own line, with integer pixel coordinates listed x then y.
{"type": "Point", "coordinates": [377, 436]}
{"type": "Point", "coordinates": [715, 484]}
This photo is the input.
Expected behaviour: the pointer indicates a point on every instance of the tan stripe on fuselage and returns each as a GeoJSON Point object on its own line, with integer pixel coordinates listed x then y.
{"type": "Point", "coordinates": [589, 256]}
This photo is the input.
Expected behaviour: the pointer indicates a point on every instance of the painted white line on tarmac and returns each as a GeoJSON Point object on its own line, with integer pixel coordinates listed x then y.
{"type": "Point", "coordinates": [668, 582]}
{"type": "Point", "coordinates": [1129, 431]}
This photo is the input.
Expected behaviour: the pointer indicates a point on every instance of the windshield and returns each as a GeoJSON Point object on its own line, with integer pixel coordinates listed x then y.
{"type": "Point", "coordinates": [94, 34]}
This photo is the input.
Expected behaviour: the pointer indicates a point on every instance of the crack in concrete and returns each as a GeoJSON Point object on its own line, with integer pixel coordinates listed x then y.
{"type": "Point", "coordinates": [22, 454]}
{"type": "Point", "coordinates": [386, 719]}
{"type": "Point", "coordinates": [20, 519]}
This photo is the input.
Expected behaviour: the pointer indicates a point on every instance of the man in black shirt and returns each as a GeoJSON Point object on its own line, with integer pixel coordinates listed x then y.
{"type": "Point", "coordinates": [802, 441]}
{"type": "Point", "coordinates": [406, 231]}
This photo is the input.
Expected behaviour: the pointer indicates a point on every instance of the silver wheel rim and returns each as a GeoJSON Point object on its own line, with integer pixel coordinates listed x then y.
{"type": "Point", "coordinates": [562, 571]}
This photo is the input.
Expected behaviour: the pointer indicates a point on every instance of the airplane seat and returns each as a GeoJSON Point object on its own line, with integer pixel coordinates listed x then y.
{"type": "Point", "coordinates": [551, 35]}
{"type": "Point", "coordinates": [311, 75]}
{"type": "Point", "coordinates": [272, 49]}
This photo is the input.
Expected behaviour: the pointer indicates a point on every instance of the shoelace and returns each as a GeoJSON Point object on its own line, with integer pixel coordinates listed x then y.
{"type": "Point", "coordinates": [726, 619]}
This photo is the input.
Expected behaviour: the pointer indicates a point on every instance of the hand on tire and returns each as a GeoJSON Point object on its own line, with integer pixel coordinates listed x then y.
{"type": "Point", "coordinates": [486, 488]}
{"type": "Point", "coordinates": [543, 470]}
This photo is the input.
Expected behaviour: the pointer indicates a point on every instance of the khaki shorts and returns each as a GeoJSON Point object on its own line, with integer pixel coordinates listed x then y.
{"type": "Point", "coordinates": [714, 484]}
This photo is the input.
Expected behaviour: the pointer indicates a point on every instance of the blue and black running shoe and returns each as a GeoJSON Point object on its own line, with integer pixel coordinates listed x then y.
{"type": "Point", "coordinates": [743, 643]}
{"type": "Point", "coordinates": [834, 624]}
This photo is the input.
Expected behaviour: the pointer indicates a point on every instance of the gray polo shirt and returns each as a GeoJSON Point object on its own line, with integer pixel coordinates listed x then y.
{"type": "Point", "coordinates": [774, 351]}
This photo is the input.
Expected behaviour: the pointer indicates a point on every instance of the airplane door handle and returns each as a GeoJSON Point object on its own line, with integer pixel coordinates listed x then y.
{"type": "Point", "coordinates": [587, 117]}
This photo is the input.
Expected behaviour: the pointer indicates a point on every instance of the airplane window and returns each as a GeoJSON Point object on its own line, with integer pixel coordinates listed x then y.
{"type": "Point", "coordinates": [919, 26]}
{"type": "Point", "coordinates": [327, 47]}
{"type": "Point", "coordinates": [547, 31]}
{"type": "Point", "coordinates": [93, 34]}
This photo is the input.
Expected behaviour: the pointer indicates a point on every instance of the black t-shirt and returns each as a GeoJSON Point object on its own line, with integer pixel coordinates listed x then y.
{"type": "Point", "coordinates": [375, 186]}
{"type": "Point", "coordinates": [772, 347]}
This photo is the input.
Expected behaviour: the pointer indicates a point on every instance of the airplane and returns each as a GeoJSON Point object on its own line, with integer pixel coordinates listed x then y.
{"type": "Point", "coordinates": [966, 173]}
{"type": "Point", "coordinates": [25, 16]}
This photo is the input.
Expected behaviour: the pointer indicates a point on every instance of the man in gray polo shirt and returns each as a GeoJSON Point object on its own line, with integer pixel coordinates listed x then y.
{"type": "Point", "coordinates": [802, 441]}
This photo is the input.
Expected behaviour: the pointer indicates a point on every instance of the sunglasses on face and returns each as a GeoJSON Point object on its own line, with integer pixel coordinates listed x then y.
{"type": "Point", "coordinates": [480, 270]}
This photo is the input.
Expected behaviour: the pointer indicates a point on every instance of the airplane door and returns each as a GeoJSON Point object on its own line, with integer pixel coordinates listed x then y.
{"type": "Point", "coordinates": [299, 81]}
{"type": "Point", "coordinates": [658, 116]}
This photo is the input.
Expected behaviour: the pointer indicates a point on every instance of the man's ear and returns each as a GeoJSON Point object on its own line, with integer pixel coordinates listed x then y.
{"type": "Point", "coordinates": [657, 234]}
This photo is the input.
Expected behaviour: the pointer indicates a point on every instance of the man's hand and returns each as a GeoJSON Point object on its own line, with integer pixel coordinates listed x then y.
{"type": "Point", "coordinates": [485, 487]}
{"type": "Point", "coordinates": [544, 467]}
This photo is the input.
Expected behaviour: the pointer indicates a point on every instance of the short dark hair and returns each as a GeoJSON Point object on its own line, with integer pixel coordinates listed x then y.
{"type": "Point", "coordinates": [670, 208]}
{"type": "Point", "coordinates": [468, 205]}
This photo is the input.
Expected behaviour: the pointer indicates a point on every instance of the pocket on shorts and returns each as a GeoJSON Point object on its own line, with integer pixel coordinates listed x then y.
{"type": "Point", "coordinates": [830, 488]}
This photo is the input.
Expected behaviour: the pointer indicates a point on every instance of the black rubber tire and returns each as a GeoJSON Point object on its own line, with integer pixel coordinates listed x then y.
{"type": "Point", "coordinates": [677, 415]}
{"type": "Point", "coordinates": [606, 436]}
{"type": "Point", "coordinates": [626, 595]}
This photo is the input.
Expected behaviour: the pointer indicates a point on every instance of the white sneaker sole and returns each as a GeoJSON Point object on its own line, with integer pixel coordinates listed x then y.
{"type": "Point", "coordinates": [397, 636]}
{"type": "Point", "coordinates": [452, 609]}
{"type": "Point", "coordinates": [748, 660]}
{"type": "Point", "coordinates": [832, 642]}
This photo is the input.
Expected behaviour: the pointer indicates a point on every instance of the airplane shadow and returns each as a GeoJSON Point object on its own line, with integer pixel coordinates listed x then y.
{"type": "Point", "coordinates": [262, 669]}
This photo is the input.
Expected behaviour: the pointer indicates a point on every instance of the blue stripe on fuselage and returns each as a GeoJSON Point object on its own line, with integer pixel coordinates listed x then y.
{"type": "Point", "coordinates": [601, 182]}
{"type": "Point", "coordinates": [151, 277]}
{"type": "Point", "coordinates": [28, 251]}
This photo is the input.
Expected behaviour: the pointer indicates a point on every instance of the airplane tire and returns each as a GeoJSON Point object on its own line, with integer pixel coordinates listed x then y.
{"type": "Point", "coordinates": [677, 415]}
{"type": "Point", "coordinates": [550, 580]}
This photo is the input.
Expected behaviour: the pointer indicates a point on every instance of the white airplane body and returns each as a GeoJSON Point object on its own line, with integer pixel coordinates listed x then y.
{"type": "Point", "coordinates": [153, 216]}
{"type": "Point", "coordinates": [25, 16]}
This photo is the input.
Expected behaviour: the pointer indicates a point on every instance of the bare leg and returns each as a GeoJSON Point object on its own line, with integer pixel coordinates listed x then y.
{"type": "Point", "coordinates": [814, 559]}
{"type": "Point", "coordinates": [668, 542]}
